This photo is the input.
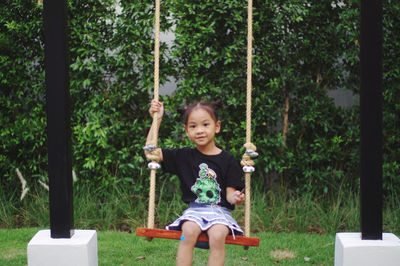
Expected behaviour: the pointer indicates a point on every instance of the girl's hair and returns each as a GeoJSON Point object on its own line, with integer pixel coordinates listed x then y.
{"type": "Point", "coordinates": [210, 108]}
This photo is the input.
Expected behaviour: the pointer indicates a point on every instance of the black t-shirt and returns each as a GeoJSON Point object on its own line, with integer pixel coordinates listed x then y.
{"type": "Point", "coordinates": [204, 178]}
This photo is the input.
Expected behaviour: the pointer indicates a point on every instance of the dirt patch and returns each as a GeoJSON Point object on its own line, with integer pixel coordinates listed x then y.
{"type": "Point", "coordinates": [282, 254]}
{"type": "Point", "coordinates": [12, 253]}
{"type": "Point", "coordinates": [315, 229]}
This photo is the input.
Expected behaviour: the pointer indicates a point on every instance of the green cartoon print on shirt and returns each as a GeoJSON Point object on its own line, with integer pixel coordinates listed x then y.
{"type": "Point", "coordinates": [206, 187]}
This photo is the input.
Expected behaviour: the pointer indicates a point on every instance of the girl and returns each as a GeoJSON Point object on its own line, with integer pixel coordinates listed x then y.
{"type": "Point", "coordinates": [210, 181]}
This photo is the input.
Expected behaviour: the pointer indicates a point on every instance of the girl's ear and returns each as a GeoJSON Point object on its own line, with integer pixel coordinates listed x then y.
{"type": "Point", "coordinates": [217, 127]}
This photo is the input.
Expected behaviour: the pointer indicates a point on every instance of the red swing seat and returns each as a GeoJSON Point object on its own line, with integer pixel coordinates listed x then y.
{"type": "Point", "coordinates": [173, 234]}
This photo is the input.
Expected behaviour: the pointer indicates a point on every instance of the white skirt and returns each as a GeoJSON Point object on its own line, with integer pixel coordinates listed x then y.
{"type": "Point", "coordinates": [205, 216]}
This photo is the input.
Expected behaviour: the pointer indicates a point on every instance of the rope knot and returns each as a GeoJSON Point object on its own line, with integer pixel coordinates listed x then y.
{"type": "Point", "coordinates": [152, 153]}
{"type": "Point", "coordinates": [249, 154]}
{"type": "Point", "coordinates": [250, 146]}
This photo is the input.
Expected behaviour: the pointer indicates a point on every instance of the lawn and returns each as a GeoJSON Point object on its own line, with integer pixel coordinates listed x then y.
{"type": "Point", "coordinates": [117, 248]}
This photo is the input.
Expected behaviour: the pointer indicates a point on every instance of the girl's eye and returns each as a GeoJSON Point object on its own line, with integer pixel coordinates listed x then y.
{"type": "Point", "coordinates": [206, 125]}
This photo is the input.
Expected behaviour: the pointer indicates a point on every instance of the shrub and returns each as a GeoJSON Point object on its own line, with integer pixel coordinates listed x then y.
{"type": "Point", "coordinates": [301, 51]}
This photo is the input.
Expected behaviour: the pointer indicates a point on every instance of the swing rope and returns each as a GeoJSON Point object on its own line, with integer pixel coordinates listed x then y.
{"type": "Point", "coordinates": [153, 154]}
{"type": "Point", "coordinates": [247, 162]}
{"type": "Point", "coordinates": [154, 160]}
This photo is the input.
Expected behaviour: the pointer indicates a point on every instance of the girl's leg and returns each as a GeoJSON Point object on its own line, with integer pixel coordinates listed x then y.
{"type": "Point", "coordinates": [216, 235]}
{"type": "Point", "coordinates": [190, 233]}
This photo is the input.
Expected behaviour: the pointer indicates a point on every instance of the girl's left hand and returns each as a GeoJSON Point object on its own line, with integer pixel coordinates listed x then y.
{"type": "Point", "coordinates": [237, 198]}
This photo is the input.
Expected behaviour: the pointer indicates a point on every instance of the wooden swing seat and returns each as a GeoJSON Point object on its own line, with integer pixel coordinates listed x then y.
{"type": "Point", "coordinates": [173, 234]}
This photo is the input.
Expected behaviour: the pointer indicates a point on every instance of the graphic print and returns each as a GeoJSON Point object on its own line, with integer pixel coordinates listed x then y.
{"type": "Point", "coordinates": [206, 187]}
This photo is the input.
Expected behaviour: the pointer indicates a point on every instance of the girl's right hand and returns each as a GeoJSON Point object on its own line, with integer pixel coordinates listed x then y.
{"type": "Point", "coordinates": [156, 107]}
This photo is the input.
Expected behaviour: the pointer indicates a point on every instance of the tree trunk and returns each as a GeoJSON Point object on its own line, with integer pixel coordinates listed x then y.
{"type": "Point", "coordinates": [285, 127]}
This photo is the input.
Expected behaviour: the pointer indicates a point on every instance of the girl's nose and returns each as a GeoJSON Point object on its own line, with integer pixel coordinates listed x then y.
{"type": "Point", "coordinates": [200, 129]}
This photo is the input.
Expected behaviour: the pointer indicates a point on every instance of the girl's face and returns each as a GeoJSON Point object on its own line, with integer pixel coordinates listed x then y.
{"type": "Point", "coordinates": [201, 129]}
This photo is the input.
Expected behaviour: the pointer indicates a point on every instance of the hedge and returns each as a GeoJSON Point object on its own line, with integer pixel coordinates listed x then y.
{"type": "Point", "coordinates": [302, 50]}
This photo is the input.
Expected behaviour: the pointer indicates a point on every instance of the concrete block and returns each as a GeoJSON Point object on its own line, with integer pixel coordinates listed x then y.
{"type": "Point", "coordinates": [79, 250]}
{"type": "Point", "coordinates": [351, 250]}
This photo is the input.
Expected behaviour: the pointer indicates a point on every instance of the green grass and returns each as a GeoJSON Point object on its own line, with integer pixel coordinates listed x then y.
{"type": "Point", "coordinates": [123, 210]}
{"type": "Point", "coordinates": [118, 248]}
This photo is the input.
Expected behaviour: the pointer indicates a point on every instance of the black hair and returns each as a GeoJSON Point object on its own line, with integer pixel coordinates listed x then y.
{"type": "Point", "coordinates": [211, 108]}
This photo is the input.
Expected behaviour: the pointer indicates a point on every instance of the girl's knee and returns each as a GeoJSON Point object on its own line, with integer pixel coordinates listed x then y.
{"type": "Point", "coordinates": [217, 235]}
{"type": "Point", "coordinates": [190, 231]}
{"type": "Point", "coordinates": [189, 236]}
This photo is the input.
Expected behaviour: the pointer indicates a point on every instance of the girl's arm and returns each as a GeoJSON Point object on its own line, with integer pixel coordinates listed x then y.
{"type": "Point", "coordinates": [155, 107]}
{"type": "Point", "coordinates": [234, 197]}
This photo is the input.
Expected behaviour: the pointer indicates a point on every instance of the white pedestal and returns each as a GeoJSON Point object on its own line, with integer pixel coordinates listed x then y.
{"type": "Point", "coordinates": [351, 250]}
{"type": "Point", "coordinates": [79, 250]}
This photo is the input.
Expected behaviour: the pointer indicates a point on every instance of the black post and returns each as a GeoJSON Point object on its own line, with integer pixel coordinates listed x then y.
{"type": "Point", "coordinates": [371, 119]}
{"type": "Point", "coordinates": [58, 124]}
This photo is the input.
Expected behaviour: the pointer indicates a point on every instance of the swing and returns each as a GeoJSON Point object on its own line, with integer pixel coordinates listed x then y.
{"type": "Point", "coordinates": [248, 164]}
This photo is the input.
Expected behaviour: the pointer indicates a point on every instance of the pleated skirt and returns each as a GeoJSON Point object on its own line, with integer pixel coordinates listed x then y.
{"type": "Point", "coordinates": [205, 216]}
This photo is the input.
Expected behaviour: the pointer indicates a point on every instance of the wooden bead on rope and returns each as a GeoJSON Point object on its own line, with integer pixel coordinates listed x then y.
{"type": "Point", "coordinates": [153, 165]}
